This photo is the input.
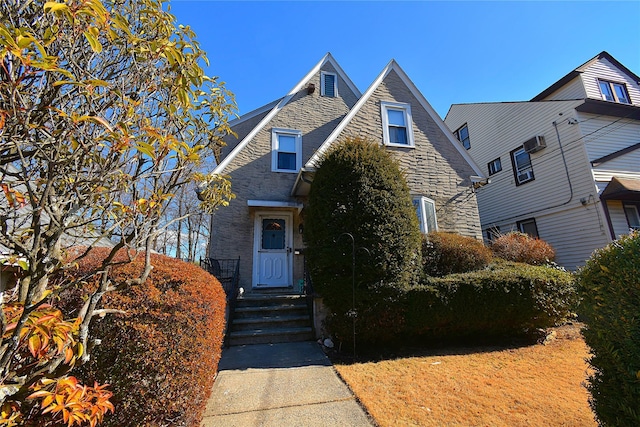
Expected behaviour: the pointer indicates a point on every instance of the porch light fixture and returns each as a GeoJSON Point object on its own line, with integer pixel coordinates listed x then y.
{"type": "Point", "coordinates": [301, 228]}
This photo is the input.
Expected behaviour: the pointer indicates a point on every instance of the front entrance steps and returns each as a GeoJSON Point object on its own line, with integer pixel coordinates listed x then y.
{"type": "Point", "coordinates": [261, 318]}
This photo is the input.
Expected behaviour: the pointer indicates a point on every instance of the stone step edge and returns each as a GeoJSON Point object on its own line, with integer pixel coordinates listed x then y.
{"type": "Point", "coordinates": [268, 332]}
{"type": "Point", "coordinates": [269, 308]}
{"type": "Point", "coordinates": [269, 319]}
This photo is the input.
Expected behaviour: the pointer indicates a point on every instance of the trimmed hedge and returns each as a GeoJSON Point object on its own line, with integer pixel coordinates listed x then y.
{"type": "Point", "coordinates": [609, 285]}
{"type": "Point", "coordinates": [161, 357]}
{"type": "Point", "coordinates": [359, 189]}
{"type": "Point", "coordinates": [448, 253]}
{"type": "Point", "coordinates": [520, 247]}
{"type": "Point", "coordinates": [506, 299]}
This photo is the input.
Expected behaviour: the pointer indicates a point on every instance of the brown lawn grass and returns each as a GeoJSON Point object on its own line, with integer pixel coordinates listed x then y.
{"type": "Point", "coordinates": [536, 385]}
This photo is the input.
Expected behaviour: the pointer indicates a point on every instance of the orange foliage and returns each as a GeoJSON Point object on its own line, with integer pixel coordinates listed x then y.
{"type": "Point", "coordinates": [162, 354]}
{"type": "Point", "coordinates": [76, 403]}
{"type": "Point", "coordinates": [44, 337]}
{"type": "Point", "coordinates": [520, 247]}
{"type": "Point", "coordinates": [45, 333]}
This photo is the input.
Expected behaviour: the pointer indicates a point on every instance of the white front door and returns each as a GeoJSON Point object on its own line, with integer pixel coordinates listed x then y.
{"type": "Point", "coordinates": [272, 265]}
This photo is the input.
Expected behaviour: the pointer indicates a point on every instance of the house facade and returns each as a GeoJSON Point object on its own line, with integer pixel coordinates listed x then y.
{"type": "Point", "coordinates": [272, 162]}
{"type": "Point", "coordinates": [564, 166]}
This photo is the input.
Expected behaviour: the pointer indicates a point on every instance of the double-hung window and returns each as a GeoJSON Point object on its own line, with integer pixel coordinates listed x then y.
{"type": "Point", "coordinates": [494, 166]}
{"type": "Point", "coordinates": [463, 136]}
{"type": "Point", "coordinates": [328, 84]}
{"type": "Point", "coordinates": [633, 218]}
{"type": "Point", "coordinates": [396, 124]}
{"type": "Point", "coordinates": [528, 226]}
{"type": "Point", "coordinates": [614, 92]}
{"type": "Point", "coordinates": [522, 169]}
{"type": "Point", "coordinates": [286, 150]}
{"type": "Point", "coordinates": [426, 211]}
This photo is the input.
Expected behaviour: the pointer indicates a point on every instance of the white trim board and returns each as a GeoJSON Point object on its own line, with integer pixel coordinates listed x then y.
{"type": "Point", "coordinates": [274, 204]}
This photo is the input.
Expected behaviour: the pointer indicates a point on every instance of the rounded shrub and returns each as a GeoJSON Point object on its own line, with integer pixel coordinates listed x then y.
{"type": "Point", "coordinates": [160, 350]}
{"type": "Point", "coordinates": [359, 189]}
{"type": "Point", "coordinates": [520, 247]}
{"type": "Point", "coordinates": [609, 285]}
{"type": "Point", "coordinates": [446, 253]}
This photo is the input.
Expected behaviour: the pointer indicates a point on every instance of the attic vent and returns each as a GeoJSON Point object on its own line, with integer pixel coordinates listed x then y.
{"type": "Point", "coordinates": [328, 85]}
{"type": "Point", "coordinates": [535, 144]}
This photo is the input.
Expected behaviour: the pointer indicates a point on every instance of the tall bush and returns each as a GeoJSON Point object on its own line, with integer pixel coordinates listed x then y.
{"type": "Point", "coordinates": [447, 253]}
{"type": "Point", "coordinates": [609, 285]}
{"type": "Point", "coordinates": [359, 189]}
{"type": "Point", "coordinates": [161, 343]}
{"type": "Point", "coordinates": [520, 247]}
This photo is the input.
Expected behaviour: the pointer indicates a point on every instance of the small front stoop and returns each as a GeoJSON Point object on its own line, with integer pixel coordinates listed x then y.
{"type": "Point", "coordinates": [270, 318]}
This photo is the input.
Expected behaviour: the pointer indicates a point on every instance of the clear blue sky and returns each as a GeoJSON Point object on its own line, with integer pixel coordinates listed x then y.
{"type": "Point", "coordinates": [454, 51]}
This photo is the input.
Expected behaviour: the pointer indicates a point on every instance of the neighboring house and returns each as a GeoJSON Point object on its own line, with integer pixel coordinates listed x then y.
{"type": "Point", "coordinates": [564, 166]}
{"type": "Point", "coordinates": [272, 162]}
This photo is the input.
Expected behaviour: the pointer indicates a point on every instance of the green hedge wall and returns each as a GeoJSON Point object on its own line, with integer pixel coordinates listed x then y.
{"type": "Point", "coordinates": [609, 285]}
{"type": "Point", "coordinates": [505, 299]}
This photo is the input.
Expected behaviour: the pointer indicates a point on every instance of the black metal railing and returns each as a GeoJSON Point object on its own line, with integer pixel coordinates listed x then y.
{"type": "Point", "coordinates": [227, 271]}
{"type": "Point", "coordinates": [310, 294]}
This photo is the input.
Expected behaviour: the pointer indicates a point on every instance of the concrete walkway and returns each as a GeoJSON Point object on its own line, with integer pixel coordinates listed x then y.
{"type": "Point", "coordinates": [288, 384]}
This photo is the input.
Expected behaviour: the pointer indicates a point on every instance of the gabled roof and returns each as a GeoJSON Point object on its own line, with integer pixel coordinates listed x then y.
{"type": "Point", "coordinates": [253, 113]}
{"type": "Point", "coordinates": [573, 74]}
{"type": "Point", "coordinates": [279, 105]}
{"type": "Point", "coordinates": [392, 66]}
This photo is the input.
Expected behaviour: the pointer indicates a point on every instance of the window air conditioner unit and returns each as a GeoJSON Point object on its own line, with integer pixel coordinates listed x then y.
{"type": "Point", "coordinates": [525, 176]}
{"type": "Point", "coordinates": [535, 144]}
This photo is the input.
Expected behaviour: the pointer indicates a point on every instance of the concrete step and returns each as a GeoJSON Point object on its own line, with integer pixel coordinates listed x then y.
{"type": "Point", "coordinates": [270, 322]}
{"type": "Point", "coordinates": [260, 300]}
{"type": "Point", "coordinates": [270, 318]}
{"type": "Point", "coordinates": [269, 311]}
{"type": "Point", "coordinates": [270, 336]}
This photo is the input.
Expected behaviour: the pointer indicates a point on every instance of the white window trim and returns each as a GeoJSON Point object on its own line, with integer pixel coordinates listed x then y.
{"type": "Point", "coordinates": [275, 149]}
{"type": "Point", "coordinates": [422, 219]}
{"type": "Point", "coordinates": [634, 211]}
{"type": "Point", "coordinates": [613, 91]}
{"type": "Point", "coordinates": [458, 137]}
{"type": "Point", "coordinates": [406, 109]}
{"type": "Point", "coordinates": [515, 167]}
{"type": "Point", "coordinates": [335, 83]}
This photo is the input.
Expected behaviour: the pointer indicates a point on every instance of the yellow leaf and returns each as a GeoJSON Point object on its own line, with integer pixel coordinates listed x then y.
{"type": "Point", "coordinates": [24, 41]}
{"type": "Point", "coordinates": [34, 345]}
{"type": "Point", "coordinates": [52, 6]}
{"type": "Point", "coordinates": [80, 349]}
{"type": "Point", "coordinates": [145, 148]}
{"type": "Point", "coordinates": [93, 41]}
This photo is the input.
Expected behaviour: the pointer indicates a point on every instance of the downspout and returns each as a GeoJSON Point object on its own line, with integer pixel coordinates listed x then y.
{"type": "Point", "coordinates": [566, 167]}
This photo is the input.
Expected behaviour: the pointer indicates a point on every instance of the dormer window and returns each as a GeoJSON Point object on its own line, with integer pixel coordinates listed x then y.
{"type": "Point", "coordinates": [396, 124]}
{"type": "Point", "coordinates": [463, 136]}
{"type": "Point", "coordinates": [286, 150]}
{"type": "Point", "coordinates": [329, 84]}
{"type": "Point", "coordinates": [614, 92]}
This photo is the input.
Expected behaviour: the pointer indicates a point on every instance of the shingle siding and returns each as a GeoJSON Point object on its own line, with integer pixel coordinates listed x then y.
{"type": "Point", "coordinates": [434, 168]}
